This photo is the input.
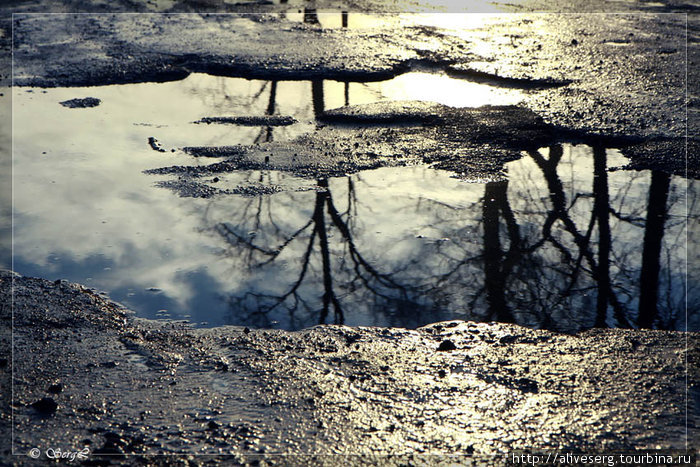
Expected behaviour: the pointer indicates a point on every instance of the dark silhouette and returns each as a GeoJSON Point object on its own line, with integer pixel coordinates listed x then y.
{"type": "Point", "coordinates": [556, 259]}
{"type": "Point", "coordinates": [496, 269]}
{"type": "Point", "coordinates": [601, 212]}
{"type": "Point", "coordinates": [651, 252]}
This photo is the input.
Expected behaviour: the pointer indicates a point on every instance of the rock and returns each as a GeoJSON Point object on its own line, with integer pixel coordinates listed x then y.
{"type": "Point", "coordinates": [84, 103]}
{"type": "Point", "coordinates": [45, 406]}
{"type": "Point", "coordinates": [447, 345]}
{"type": "Point", "coordinates": [527, 385]}
{"type": "Point", "coordinates": [155, 145]}
{"type": "Point", "coordinates": [266, 120]}
{"type": "Point", "coordinates": [56, 388]}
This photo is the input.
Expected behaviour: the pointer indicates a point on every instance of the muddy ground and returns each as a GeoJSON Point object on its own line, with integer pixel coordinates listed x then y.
{"type": "Point", "coordinates": [127, 386]}
{"type": "Point", "coordinates": [592, 75]}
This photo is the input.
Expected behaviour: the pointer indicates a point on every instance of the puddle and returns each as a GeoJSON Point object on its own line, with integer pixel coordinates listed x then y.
{"type": "Point", "coordinates": [132, 113]}
{"type": "Point", "coordinates": [341, 19]}
{"type": "Point", "coordinates": [452, 23]}
{"type": "Point", "coordinates": [617, 43]}
{"type": "Point", "coordinates": [391, 247]}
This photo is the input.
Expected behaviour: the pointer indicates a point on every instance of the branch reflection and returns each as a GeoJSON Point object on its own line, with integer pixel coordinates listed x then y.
{"type": "Point", "coordinates": [556, 246]}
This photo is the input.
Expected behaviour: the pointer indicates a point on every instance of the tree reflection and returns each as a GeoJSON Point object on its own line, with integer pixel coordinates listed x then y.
{"type": "Point", "coordinates": [651, 252]}
{"type": "Point", "coordinates": [538, 250]}
{"type": "Point", "coordinates": [497, 264]}
{"type": "Point", "coordinates": [330, 259]}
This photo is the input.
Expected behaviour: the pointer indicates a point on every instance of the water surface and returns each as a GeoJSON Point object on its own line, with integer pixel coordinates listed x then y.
{"type": "Point", "coordinates": [570, 241]}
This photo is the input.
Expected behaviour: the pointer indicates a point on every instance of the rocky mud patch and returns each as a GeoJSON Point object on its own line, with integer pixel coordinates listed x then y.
{"type": "Point", "coordinates": [87, 374]}
{"type": "Point", "coordinates": [474, 143]}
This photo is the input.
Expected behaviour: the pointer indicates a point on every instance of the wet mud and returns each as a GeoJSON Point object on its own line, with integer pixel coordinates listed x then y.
{"type": "Point", "coordinates": [474, 143]}
{"type": "Point", "coordinates": [621, 76]}
{"type": "Point", "coordinates": [87, 374]}
{"type": "Point", "coordinates": [129, 386]}
{"type": "Point", "coordinates": [386, 134]}
{"type": "Point", "coordinates": [271, 120]}
{"type": "Point", "coordinates": [79, 103]}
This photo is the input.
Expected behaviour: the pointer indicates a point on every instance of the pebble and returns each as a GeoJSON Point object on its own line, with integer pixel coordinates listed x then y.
{"type": "Point", "coordinates": [447, 345]}
{"type": "Point", "coordinates": [45, 406]}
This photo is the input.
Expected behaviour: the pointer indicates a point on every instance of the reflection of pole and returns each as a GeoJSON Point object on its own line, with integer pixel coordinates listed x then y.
{"type": "Point", "coordinates": [651, 253]}
{"type": "Point", "coordinates": [322, 198]}
{"type": "Point", "coordinates": [310, 16]}
{"type": "Point", "coordinates": [273, 96]}
{"type": "Point", "coordinates": [494, 278]}
{"type": "Point", "coordinates": [344, 23]}
{"type": "Point", "coordinates": [601, 210]}
{"type": "Point", "coordinates": [317, 97]}
{"type": "Point", "coordinates": [271, 107]}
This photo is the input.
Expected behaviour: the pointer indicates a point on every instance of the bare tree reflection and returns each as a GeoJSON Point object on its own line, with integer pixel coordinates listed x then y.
{"type": "Point", "coordinates": [651, 252]}
{"type": "Point", "coordinates": [601, 212]}
{"type": "Point", "coordinates": [538, 250]}
{"type": "Point", "coordinates": [343, 270]}
{"type": "Point", "coordinates": [497, 264]}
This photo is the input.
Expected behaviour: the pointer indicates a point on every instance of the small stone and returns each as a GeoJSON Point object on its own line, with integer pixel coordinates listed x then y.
{"type": "Point", "coordinates": [212, 425]}
{"type": "Point", "coordinates": [56, 388]}
{"type": "Point", "coordinates": [155, 145]}
{"type": "Point", "coordinates": [45, 406]}
{"type": "Point", "coordinates": [442, 373]}
{"type": "Point", "coordinates": [246, 330]}
{"type": "Point", "coordinates": [81, 103]}
{"type": "Point", "coordinates": [447, 345]}
{"type": "Point", "coordinates": [574, 42]}
{"type": "Point", "coordinates": [527, 385]}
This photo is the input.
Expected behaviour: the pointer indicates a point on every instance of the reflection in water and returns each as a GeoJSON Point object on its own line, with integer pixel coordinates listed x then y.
{"type": "Point", "coordinates": [497, 265]}
{"type": "Point", "coordinates": [563, 256]}
{"type": "Point", "coordinates": [567, 243]}
{"type": "Point", "coordinates": [324, 256]}
{"type": "Point", "coordinates": [557, 246]}
{"type": "Point", "coordinates": [166, 110]}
